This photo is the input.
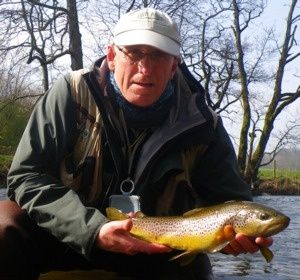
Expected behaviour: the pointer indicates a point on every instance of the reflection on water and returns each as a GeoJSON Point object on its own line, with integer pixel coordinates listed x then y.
{"type": "Point", "coordinates": [286, 249]}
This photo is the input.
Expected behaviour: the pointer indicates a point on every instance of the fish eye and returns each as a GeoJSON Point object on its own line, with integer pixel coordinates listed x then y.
{"type": "Point", "coordinates": [264, 216]}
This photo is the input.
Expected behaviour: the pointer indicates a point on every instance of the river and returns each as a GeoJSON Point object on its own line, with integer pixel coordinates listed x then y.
{"type": "Point", "coordinates": [286, 249]}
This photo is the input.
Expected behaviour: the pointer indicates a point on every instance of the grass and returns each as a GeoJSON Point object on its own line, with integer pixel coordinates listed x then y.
{"type": "Point", "coordinates": [268, 174]}
{"type": "Point", "coordinates": [5, 161]}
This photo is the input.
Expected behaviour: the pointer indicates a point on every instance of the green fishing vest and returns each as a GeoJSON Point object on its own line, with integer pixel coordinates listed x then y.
{"type": "Point", "coordinates": [88, 147]}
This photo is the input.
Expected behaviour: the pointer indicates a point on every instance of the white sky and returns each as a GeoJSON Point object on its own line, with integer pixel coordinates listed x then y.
{"type": "Point", "coordinates": [276, 13]}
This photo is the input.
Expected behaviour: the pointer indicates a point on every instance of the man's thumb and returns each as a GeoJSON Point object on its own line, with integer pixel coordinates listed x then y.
{"type": "Point", "coordinates": [126, 224]}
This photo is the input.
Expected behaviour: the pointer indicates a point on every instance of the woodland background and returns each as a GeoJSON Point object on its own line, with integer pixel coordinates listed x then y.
{"type": "Point", "coordinates": [246, 63]}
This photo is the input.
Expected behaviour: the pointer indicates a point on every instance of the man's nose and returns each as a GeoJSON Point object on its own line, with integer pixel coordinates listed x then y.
{"type": "Point", "coordinates": [145, 65]}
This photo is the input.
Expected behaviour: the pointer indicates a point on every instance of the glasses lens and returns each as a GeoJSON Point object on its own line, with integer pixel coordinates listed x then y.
{"type": "Point", "coordinates": [135, 55]}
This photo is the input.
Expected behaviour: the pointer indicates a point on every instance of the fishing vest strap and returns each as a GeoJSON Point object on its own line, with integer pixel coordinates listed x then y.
{"type": "Point", "coordinates": [82, 169]}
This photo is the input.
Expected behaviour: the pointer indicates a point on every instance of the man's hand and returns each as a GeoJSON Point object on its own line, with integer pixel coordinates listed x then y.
{"type": "Point", "coordinates": [244, 244]}
{"type": "Point", "coordinates": [115, 237]}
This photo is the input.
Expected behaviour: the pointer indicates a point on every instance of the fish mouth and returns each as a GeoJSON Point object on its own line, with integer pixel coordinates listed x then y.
{"type": "Point", "coordinates": [277, 226]}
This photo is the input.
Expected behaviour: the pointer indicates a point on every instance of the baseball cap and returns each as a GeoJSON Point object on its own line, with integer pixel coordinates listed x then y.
{"type": "Point", "coordinates": [148, 27]}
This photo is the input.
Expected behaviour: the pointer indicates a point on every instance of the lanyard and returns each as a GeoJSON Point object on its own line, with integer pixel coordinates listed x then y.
{"type": "Point", "coordinates": [130, 151]}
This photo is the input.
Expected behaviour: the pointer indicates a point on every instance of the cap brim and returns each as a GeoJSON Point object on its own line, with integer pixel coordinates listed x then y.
{"type": "Point", "coordinates": [149, 38]}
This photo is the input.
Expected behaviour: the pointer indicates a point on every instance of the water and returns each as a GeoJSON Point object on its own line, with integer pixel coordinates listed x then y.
{"type": "Point", "coordinates": [286, 249]}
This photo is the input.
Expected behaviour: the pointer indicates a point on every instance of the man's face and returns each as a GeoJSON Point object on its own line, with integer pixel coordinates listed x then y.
{"type": "Point", "coordinates": [141, 72]}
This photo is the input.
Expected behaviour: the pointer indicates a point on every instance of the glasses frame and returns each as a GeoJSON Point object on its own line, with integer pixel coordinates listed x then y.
{"type": "Point", "coordinates": [137, 55]}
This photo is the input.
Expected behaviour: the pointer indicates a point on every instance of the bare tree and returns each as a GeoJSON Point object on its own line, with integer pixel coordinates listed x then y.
{"type": "Point", "coordinates": [74, 36]}
{"type": "Point", "coordinates": [238, 28]}
{"type": "Point", "coordinates": [230, 65]}
{"type": "Point", "coordinates": [279, 100]}
{"type": "Point", "coordinates": [44, 28]}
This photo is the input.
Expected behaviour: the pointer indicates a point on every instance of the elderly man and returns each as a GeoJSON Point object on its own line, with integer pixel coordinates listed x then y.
{"type": "Point", "coordinates": [134, 133]}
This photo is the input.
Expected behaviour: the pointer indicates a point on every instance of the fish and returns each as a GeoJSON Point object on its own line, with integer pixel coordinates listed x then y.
{"type": "Point", "coordinates": [208, 229]}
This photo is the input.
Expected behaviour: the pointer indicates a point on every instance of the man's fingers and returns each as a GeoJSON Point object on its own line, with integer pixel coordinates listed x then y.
{"type": "Point", "coordinates": [247, 244]}
{"type": "Point", "coordinates": [126, 225]}
{"type": "Point", "coordinates": [268, 241]}
{"type": "Point", "coordinates": [237, 247]}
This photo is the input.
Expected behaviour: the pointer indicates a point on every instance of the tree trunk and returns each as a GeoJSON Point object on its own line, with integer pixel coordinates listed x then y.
{"type": "Point", "coordinates": [45, 77]}
{"type": "Point", "coordinates": [243, 146]}
{"type": "Point", "coordinates": [75, 36]}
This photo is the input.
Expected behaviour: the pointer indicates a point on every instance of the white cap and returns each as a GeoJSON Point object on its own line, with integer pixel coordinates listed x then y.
{"type": "Point", "coordinates": [148, 27]}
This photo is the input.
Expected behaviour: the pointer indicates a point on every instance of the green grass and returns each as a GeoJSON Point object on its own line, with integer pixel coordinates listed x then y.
{"type": "Point", "coordinates": [5, 161]}
{"type": "Point", "coordinates": [268, 174]}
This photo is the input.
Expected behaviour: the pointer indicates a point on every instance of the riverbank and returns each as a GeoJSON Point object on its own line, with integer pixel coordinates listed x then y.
{"type": "Point", "coordinates": [278, 186]}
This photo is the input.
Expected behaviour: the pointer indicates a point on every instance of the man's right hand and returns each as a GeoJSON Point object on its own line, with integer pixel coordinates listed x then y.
{"type": "Point", "coordinates": [114, 236]}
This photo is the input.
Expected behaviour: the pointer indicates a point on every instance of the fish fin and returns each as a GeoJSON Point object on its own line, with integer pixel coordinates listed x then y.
{"type": "Point", "coordinates": [219, 247]}
{"type": "Point", "coordinates": [115, 214]}
{"type": "Point", "coordinates": [192, 212]}
{"type": "Point", "coordinates": [267, 253]}
{"type": "Point", "coordinates": [185, 257]}
{"type": "Point", "coordinates": [222, 238]}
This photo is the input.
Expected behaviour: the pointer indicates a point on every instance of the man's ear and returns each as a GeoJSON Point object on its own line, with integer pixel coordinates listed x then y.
{"type": "Point", "coordinates": [110, 56]}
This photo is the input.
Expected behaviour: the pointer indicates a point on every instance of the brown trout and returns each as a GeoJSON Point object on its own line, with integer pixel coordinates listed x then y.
{"type": "Point", "coordinates": [208, 229]}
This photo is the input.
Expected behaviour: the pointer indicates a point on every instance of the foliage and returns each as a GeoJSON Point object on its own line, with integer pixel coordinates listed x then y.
{"type": "Point", "coordinates": [13, 117]}
{"type": "Point", "coordinates": [5, 161]}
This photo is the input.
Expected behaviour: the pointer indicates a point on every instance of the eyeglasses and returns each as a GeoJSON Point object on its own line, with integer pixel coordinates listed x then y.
{"type": "Point", "coordinates": [136, 55]}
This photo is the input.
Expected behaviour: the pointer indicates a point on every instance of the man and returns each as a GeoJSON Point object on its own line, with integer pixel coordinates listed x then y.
{"type": "Point", "coordinates": [135, 133]}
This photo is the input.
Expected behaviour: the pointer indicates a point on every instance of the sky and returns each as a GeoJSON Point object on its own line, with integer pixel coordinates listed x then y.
{"type": "Point", "coordinates": [276, 13]}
